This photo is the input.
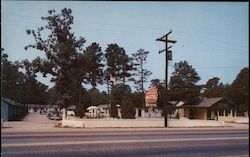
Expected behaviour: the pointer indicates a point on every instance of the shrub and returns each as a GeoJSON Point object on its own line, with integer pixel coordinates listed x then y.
{"type": "Point", "coordinates": [79, 111]}
{"type": "Point", "coordinates": [127, 108]}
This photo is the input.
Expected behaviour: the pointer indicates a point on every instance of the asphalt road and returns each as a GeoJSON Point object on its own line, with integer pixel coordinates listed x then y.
{"type": "Point", "coordinates": [128, 143]}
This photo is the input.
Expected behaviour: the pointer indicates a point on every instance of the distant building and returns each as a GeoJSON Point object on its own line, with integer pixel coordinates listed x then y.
{"type": "Point", "coordinates": [153, 112]}
{"type": "Point", "coordinates": [11, 110]}
{"type": "Point", "coordinates": [101, 111]}
{"type": "Point", "coordinates": [36, 107]}
{"type": "Point", "coordinates": [71, 110]}
{"type": "Point", "coordinates": [208, 108]}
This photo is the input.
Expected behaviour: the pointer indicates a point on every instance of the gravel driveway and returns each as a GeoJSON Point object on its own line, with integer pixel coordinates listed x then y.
{"type": "Point", "coordinates": [32, 122]}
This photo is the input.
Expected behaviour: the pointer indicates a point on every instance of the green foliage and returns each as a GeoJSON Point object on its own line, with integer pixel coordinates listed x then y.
{"type": "Point", "coordinates": [86, 100]}
{"type": "Point", "coordinates": [17, 113]}
{"type": "Point", "coordinates": [10, 78]}
{"type": "Point", "coordinates": [62, 50]}
{"type": "Point", "coordinates": [94, 57]}
{"type": "Point", "coordinates": [138, 99]}
{"type": "Point", "coordinates": [239, 91]}
{"type": "Point", "coordinates": [95, 97]}
{"type": "Point", "coordinates": [213, 88]}
{"type": "Point", "coordinates": [127, 108]}
{"type": "Point", "coordinates": [141, 73]}
{"type": "Point", "coordinates": [80, 110]}
{"type": "Point", "coordinates": [36, 92]}
{"type": "Point", "coordinates": [183, 83]}
{"type": "Point", "coordinates": [213, 82]}
{"type": "Point", "coordinates": [119, 64]}
{"type": "Point", "coordinates": [114, 111]}
{"type": "Point", "coordinates": [161, 92]}
{"type": "Point", "coordinates": [119, 91]}
{"type": "Point", "coordinates": [53, 95]}
{"type": "Point", "coordinates": [126, 67]}
{"type": "Point", "coordinates": [19, 86]}
{"type": "Point", "coordinates": [122, 95]}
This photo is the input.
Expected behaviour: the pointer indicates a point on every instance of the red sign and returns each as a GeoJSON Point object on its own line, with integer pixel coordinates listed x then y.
{"type": "Point", "coordinates": [151, 95]}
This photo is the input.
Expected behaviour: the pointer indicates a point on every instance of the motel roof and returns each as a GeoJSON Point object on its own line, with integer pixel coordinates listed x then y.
{"type": "Point", "coordinates": [205, 102]}
{"type": "Point", "coordinates": [208, 102]}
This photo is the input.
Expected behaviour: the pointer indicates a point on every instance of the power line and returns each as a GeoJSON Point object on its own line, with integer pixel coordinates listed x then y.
{"type": "Point", "coordinates": [222, 67]}
{"type": "Point", "coordinates": [97, 31]}
{"type": "Point", "coordinates": [129, 33]}
{"type": "Point", "coordinates": [213, 46]}
{"type": "Point", "coordinates": [145, 27]}
{"type": "Point", "coordinates": [134, 35]}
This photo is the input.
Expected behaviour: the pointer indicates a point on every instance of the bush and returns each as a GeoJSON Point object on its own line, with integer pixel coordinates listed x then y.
{"type": "Point", "coordinates": [17, 113]}
{"type": "Point", "coordinates": [114, 111]}
{"type": "Point", "coordinates": [80, 111]}
{"type": "Point", "coordinates": [127, 108]}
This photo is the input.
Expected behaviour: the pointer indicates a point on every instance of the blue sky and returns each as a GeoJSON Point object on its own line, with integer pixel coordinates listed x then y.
{"type": "Point", "coordinates": [212, 36]}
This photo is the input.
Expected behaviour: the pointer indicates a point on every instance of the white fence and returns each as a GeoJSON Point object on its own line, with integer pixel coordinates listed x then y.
{"type": "Point", "coordinates": [138, 123]}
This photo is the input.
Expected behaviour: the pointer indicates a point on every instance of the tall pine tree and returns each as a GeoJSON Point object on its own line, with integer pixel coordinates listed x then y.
{"type": "Point", "coordinates": [183, 86]}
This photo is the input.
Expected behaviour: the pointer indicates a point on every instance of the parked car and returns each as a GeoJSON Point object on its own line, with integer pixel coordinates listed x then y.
{"type": "Point", "coordinates": [55, 117]}
{"type": "Point", "coordinates": [51, 112]}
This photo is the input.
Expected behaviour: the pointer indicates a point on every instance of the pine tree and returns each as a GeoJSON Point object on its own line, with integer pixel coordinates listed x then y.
{"type": "Point", "coordinates": [183, 86]}
{"type": "Point", "coordinates": [118, 66]}
{"type": "Point", "coordinates": [141, 74]}
{"type": "Point", "coordinates": [94, 57]}
{"type": "Point", "coordinates": [127, 108]}
{"type": "Point", "coordinates": [239, 91]}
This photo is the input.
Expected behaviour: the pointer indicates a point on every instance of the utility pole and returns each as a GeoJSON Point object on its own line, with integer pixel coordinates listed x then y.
{"type": "Point", "coordinates": [168, 57]}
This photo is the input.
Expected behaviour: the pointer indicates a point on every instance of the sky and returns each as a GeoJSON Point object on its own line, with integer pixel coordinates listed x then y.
{"type": "Point", "coordinates": [213, 37]}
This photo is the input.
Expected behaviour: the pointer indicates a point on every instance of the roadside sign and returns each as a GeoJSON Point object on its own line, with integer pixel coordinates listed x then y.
{"type": "Point", "coordinates": [151, 105]}
{"type": "Point", "coordinates": [151, 96]}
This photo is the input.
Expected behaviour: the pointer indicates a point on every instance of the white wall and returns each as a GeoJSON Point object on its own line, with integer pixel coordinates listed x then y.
{"type": "Point", "coordinates": [135, 123]}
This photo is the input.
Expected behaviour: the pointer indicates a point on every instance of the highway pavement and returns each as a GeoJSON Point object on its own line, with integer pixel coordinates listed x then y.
{"type": "Point", "coordinates": [43, 140]}
{"type": "Point", "coordinates": [127, 143]}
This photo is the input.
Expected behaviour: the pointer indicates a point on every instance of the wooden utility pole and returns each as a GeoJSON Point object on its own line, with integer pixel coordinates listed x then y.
{"type": "Point", "coordinates": [168, 57]}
